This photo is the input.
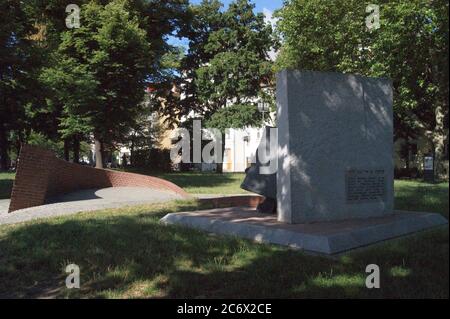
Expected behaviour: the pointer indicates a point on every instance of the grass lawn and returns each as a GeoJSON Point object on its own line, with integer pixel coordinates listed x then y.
{"type": "Point", "coordinates": [127, 253]}
{"type": "Point", "coordinates": [208, 183]}
{"type": "Point", "coordinates": [202, 183]}
{"type": "Point", "coordinates": [192, 182]}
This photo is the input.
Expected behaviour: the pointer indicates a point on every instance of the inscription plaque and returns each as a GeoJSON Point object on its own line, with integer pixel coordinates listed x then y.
{"type": "Point", "coordinates": [365, 185]}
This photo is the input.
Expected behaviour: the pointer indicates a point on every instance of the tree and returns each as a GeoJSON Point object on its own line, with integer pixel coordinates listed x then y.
{"type": "Point", "coordinates": [146, 132]}
{"type": "Point", "coordinates": [200, 21]}
{"type": "Point", "coordinates": [410, 47]}
{"type": "Point", "coordinates": [71, 86]}
{"type": "Point", "coordinates": [41, 117]}
{"type": "Point", "coordinates": [18, 64]}
{"type": "Point", "coordinates": [100, 74]}
{"type": "Point", "coordinates": [227, 62]}
{"type": "Point", "coordinates": [238, 68]}
{"type": "Point", "coordinates": [238, 63]}
{"type": "Point", "coordinates": [155, 19]}
{"type": "Point", "coordinates": [235, 116]}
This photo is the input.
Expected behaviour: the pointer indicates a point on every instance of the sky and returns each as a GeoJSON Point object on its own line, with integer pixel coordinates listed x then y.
{"type": "Point", "coordinates": [265, 6]}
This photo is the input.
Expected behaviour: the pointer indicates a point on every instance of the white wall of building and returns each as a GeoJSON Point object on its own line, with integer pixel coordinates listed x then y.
{"type": "Point", "coordinates": [240, 148]}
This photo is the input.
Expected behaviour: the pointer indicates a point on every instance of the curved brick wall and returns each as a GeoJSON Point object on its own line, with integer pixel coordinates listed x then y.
{"type": "Point", "coordinates": [41, 174]}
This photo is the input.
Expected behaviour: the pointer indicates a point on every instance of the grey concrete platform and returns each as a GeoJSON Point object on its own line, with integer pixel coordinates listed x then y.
{"type": "Point", "coordinates": [321, 237]}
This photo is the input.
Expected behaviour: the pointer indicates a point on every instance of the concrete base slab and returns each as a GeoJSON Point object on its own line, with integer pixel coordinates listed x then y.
{"type": "Point", "coordinates": [322, 237]}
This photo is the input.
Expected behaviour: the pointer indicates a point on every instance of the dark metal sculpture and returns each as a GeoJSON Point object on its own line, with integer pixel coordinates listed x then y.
{"type": "Point", "coordinates": [262, 184]}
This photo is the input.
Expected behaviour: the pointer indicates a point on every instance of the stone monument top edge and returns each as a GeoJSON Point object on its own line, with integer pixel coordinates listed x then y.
{"type": "Point", "coordinates": [331, 73]}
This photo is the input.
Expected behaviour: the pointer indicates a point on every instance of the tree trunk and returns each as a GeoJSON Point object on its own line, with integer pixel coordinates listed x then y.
{"type": "Point", "coordinates": [3, 149]}
{"type": "Point", "coordinates": [438, 139]}
{"type": "Point", "coordinates": [98, 153]}
{"type": "Point", "coordinates": [18, 147]}
{"type": "Point", "coordinates": [408, 149]}
{"type": "Point", "coordinates": [132, 152]}
{"type": "Point", "coordinates": [67, 149]}
{"type": "Point", "coordinates": [219, 169]}
{"type": "Point", "coordinates": [76, 150]}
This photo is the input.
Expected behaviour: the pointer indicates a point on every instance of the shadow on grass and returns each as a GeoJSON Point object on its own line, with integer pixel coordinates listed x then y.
{"type": "Point", "coordinates": [136, 256]}
{"type": "Point", "coordinates": [128, 253]}
{"type": "Point", "coordinates": [420, 196]}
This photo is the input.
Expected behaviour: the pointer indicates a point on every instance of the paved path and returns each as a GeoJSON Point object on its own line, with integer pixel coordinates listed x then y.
{"type": "Point", "coordinates": [4, 204]}
{"type": "Point", "coordinates": [86, 200]}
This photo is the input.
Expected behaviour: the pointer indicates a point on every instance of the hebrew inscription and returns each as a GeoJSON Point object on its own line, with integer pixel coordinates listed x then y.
{"type": "Point", "coordinates": [365, 185]}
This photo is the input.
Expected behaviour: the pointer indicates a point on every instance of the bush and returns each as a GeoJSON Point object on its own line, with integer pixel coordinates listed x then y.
{"type": "Point", "coordinates": [412, 173]}
{"type": "Point", "coordinates": [156, 159]}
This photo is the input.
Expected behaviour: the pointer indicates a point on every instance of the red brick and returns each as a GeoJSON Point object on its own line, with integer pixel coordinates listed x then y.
{"type": "Point", "coordinates": [41, 174]}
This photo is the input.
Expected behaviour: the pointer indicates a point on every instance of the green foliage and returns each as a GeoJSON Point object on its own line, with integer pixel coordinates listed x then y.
{"type": "Point", "coordinates": [235, 116]}
{"type": "Point", "coordinates": [238, 62]}
{"type": "Point", "coordinates": [143, 140]}
{"type": "Point", "coordinates": [227, 60]}
{"type": "Point", "coordinates": [72, 86]}
{"type": "Point", "coordinates": [69, 83]}
{"type": "Point", "coordinates": [19, 62]}
{"type": "Point", "coordinates": [39, 139]}
{"type": "Point", "coordinates": [323, 35]}
{"type": "Point", "coordinates": [100, 71]}
{"type": "Point", "coordinates": [410, 47]}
